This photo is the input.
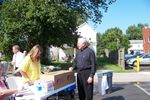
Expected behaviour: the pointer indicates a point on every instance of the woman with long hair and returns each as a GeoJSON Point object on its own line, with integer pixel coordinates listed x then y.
{"type": "Point", "coordinates": [31, 67]}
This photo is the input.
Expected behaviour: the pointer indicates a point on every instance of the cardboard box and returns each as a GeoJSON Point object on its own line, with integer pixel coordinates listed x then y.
{"type": "Point", "coordinates": [60, 78]}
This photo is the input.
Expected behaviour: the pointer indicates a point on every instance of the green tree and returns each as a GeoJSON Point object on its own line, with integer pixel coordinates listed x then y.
{"type": "Point", "coordinates": [114, 39]}
{"type": "Point", "coordinates": [134, 32]}
{"type": "Point", "coordinates": [100, 45]}
{"type": "Point", "coordinates": [30, 22]}
{"type": "Point", "coordinates": [46, 22]}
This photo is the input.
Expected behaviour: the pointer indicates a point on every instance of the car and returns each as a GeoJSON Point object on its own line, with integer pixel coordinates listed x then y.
{"type": "Point", "coordinates": [129, 56]}
{"type": "Point", "coordinates": [144, 60]}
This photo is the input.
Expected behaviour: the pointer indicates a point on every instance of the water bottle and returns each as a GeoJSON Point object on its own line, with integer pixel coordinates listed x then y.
{"type": "Point", "coordinates": [39, 87]}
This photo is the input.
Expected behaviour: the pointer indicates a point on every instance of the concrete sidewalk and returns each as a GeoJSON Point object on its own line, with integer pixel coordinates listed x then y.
{"type": "Point", "coordinates": [131, 77]}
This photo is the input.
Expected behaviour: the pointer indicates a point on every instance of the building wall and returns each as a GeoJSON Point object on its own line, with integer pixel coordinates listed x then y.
{"type": "Point", "coordinates": [85, 31]}
{"type": "Point", "coordinates": [54, 53]}
{"type": "Point", "coordinates": [146, 39]}
{"type": "Point", "coordinates": [136, 46]}
{"type": "Point", "coordinates": [64, 53]}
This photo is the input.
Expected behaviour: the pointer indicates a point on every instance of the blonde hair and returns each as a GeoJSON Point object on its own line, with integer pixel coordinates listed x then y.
{"type": "Point", "coordinates": [35, 53]}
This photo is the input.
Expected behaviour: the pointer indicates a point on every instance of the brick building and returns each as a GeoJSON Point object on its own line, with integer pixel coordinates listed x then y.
{"type": "Point", "coordinates": [146, 39]}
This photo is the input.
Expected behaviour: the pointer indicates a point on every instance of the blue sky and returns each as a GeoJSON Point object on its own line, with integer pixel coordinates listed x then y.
{"type": "Point", "coordinates": [124, 13]}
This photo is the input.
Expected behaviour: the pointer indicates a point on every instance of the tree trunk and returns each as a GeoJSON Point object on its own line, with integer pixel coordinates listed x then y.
{"type": "Point", "coordinates": [45, 58]}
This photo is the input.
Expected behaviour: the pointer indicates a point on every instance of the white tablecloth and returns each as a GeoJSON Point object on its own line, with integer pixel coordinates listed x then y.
{"type": "Point", "coordinates": [41, 96]}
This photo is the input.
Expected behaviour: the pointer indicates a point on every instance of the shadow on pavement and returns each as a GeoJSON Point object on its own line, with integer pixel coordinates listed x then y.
{"type": "Point", "coordinates": [114, 89]}
{"type": "Point", "coordinates": [114, 98]}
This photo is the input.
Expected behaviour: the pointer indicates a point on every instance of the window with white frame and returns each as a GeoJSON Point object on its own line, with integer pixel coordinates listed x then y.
{"type": "Point", "coordinates": [149, 39]}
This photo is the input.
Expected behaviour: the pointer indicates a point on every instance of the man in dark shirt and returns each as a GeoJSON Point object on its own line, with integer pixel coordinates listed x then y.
{"type": "Point", "coordinates": [85, 63]}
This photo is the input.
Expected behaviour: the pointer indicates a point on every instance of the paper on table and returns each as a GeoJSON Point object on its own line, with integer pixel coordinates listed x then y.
{"type": "Point", "coordinates": [24, 92]}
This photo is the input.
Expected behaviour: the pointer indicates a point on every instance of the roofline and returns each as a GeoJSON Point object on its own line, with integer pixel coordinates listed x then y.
{"type": "Point", "coordinates": [88, 25]}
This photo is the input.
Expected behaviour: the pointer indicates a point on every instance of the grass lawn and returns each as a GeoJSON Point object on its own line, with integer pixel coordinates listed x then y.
{"type": "Point", "coordinates": [102, 64]}
{"type": "Point", "coordinates": [113, 67]}
{"type": "Point", "coordinates": [107, 64]}
{"type": "Point", "coordinates": [63, 65]}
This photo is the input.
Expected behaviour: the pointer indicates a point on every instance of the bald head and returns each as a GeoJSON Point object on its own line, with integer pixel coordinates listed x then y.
{"type": "Point", "coordinates": [82, 43]}
{"type": "Point", "coordinates": [15, 49]}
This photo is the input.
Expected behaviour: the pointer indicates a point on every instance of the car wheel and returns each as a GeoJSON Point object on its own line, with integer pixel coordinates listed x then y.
{"type": "Point", "coordinates": [135, 64]}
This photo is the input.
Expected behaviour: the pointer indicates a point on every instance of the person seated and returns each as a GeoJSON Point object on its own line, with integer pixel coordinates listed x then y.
{"type": "Point", "coordinates": [3, 89]}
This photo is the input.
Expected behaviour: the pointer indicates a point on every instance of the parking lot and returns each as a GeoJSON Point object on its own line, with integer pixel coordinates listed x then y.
{"type": "Point", "coordinates": [130, 91]}
{"type": "Point", "coordinates": [145, 68]}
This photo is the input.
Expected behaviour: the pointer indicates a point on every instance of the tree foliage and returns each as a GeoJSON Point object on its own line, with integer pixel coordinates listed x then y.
{"type": "Point", "coordinates": [100, 44]}
{"type": "Point", "coordinates": [46, 22]}
{"type": "Point", "coordinates": [134, 32]}
{"type": "Point", "coordinates": [92, 9]}
{"type": "Point", "coordinates": [113, 39]}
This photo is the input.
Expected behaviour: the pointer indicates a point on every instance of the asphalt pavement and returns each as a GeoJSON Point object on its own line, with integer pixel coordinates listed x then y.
{"type": "Point", "coordinates": [145, 68]}
{"type": "Point", "coordinates": [127, 92]}
{"type": "Point", "coordinates": [129, 86]}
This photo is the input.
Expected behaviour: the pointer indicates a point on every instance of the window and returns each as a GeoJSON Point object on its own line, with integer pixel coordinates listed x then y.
{"type": "Point", "coordinates": [144, 41]}
{"type": "Point", "coordinates": [147, 56]}
{"type": "Point", "coordinates": [148, 39]}
{"type": "Point", "coordinates": [149, 51]}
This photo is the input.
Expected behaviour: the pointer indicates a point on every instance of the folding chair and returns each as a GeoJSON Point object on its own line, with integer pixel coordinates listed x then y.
{"type": "Point", "coordinates": [13, 82]}
{"type": "Point", "coordinates": [4, 66]}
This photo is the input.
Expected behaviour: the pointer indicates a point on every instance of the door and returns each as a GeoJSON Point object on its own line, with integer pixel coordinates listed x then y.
{"type": "Point", "coordinates": [145, 60]}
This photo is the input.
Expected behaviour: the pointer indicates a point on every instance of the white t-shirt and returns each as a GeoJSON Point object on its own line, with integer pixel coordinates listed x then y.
{"type": "Point", "coordinates": [17, 59]}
